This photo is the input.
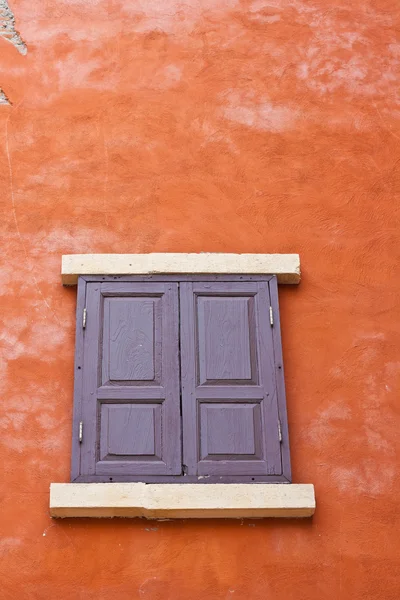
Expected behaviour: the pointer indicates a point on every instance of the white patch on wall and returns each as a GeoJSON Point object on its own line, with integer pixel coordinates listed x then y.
{"type": "Point", "coordinates": [335, 49]}
{"type": "Point", "coordinates": [47, 243]}
{"type": "Point", "coordinates": [172, 74]}
{"type": "Point", "coordinates": [162, 78]}
{"type": "Point", "coordinates": [264, 12]}
{"type": "Point", "coordinates": [73, 72]}
{"type": "Point", "coordinates": [173, 16]}
{"type": "Point", "coordinates": [47, 421]}
{"type": "Point", "coordinates": [259, 5]}
{"type": "Point", "coordinates": [39, 339]}
{"type": "Point", "coordinates": [81, 240]}
{"type": "Point", "coordinates": [258, 112]}
{"type": "Point", "coordinates": [8, 543]}
{"type": "Point", "coordinates": [32, 422]}
{"type": "Point", "coordinates": [371, 426]}
{"type": "Point", "coordinates": [366, 478]}
{"type": "Point", "coordinates": [341, 54]}
{"type": "Point", "coordinates": [213, 134]}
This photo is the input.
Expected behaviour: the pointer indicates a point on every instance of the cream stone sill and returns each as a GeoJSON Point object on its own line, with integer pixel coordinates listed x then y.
{"type": "Point", "coordinates": [285, 266]}
{"type": "Point", "coordinates": [181, 501]}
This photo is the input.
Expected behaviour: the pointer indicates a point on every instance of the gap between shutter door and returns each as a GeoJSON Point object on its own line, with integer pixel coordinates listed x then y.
{"type": "Point", "coordinates": [180, 377]}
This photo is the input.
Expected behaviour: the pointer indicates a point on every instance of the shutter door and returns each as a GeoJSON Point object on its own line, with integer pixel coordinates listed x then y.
{"type": "Point", "coordinates": [229, 399]}
{"type": "Point", "coordinates": [131, 403]}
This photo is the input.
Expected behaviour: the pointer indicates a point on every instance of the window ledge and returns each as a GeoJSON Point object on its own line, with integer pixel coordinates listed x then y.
{"type": "Point", "coordinates": [285, 266]}
{"type": "Point", "coordinates": [181, 501]}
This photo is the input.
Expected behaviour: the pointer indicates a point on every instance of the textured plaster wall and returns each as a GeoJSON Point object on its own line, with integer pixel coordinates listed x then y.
{"type": "Point", "coordinates": [213, 125]}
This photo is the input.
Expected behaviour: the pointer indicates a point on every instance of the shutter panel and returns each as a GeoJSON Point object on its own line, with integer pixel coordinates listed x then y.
{"type": "Point", "coordinates": [131, 402]}
{"type": "Point", "coordinates": [229, 394]}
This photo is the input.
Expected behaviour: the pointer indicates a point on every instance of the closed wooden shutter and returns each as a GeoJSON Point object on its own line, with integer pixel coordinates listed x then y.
{"type": "Point", "coordinates": [230, 414]}
{"type": "Point", "coordinates": [130, 403]}
{"type": "Point", "coordinates": [147, 387]}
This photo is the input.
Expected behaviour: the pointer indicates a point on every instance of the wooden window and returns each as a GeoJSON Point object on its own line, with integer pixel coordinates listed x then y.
{"type": "Point", "coordinates": [179, 379]}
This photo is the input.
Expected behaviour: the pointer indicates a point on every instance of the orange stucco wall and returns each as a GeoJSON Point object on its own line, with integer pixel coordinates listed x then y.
{"type": "Point", "coordinates": [212, 125]}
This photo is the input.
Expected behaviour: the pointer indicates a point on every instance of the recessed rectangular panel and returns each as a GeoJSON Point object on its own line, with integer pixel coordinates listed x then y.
{"type": "Point", "coordinates": [129, 431]}
{"type": "Point", "coordinates": [131, 342]}
{"type": "Point", "coordinates": [131, 332]}
{"type": "Point", "coordinates": [230, 431]}
{"type": "Point", "coordinates": [224, 339]}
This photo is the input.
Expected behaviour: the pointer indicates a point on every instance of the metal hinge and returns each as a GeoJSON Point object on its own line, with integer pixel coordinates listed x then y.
{"type": "Point", "coordinates": [279, 430]}
{"type": "Point", "coordinates": [84, 315]}
{"type": "Point", "coordinates": [271, 316]}
{"type": "Point", "coordinates": [80, 431]}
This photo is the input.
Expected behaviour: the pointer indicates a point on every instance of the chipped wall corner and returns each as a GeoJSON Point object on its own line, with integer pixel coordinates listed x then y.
{"type": "Point", "coordinates": [10, 34]}
{"type": "Point", "coordinates": [3, 98]}
{"type": "Point", "coordinates": [7, 28]}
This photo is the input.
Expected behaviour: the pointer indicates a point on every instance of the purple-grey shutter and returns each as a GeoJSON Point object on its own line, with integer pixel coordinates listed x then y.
{"type": "Point", "coordinates": [130, 396]}
{"type": "Point", "coordinates": [229, 390]}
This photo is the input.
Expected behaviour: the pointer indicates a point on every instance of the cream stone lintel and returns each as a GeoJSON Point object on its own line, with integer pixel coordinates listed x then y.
{"type": "Point", "coordinates": [285, 266]}
{"type": "Point", "coordinates": [176, 501]}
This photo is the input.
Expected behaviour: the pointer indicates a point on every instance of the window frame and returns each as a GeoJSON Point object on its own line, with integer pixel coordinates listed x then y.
{"type": "Point", "coordinates": [279, 374]}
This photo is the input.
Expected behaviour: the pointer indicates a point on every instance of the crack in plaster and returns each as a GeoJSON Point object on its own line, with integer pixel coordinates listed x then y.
{"type": "Point", "coordinates": [7, 28]}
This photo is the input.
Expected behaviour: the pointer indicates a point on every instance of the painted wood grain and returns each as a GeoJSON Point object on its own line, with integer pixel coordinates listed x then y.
{"type": "Point", "coordinates": [229, 357]}
{"type": "Point", "coordinates": [128, 344]}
